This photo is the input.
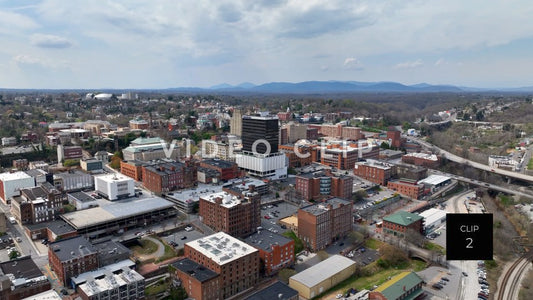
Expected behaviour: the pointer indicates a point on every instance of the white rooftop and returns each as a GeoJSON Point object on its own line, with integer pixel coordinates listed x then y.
{"type": "Point", "coordinates": [426, 156]}
{"type": "Point", "coordinates": [228, 200]}
{"type": "Point", "coordinates": [110, 281]}
{"type": "Point", "coordinates": [13, 176]}
{"type": "Point", "coordinates": [221, 248]}
{"type": "Point", "coordinates": [323, 270]}
{"type": "Point", "coordinates": [434, 179]}
{"type": "Point", "coordinates": [46, 295]}
{"type": "Point", "coordinates": [432, 215]}
{"type": "Point", "coordinates": [114, 177]}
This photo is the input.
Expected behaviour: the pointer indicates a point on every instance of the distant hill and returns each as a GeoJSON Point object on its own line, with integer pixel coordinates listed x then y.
{"type": "Point", "coordinates": [329, 87]}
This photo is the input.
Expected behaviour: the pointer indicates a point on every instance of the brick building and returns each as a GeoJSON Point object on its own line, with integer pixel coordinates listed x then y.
{"type": "Point", "coordinates": [68, 152]}
{"type": "Point", "coordinates": [237, 215]}
{"type": "Point", "coordinates": [124, 284]}
{"type": "Point", "coordinates": [303, 156]}
{"type": "Point", "coordinates": [21, 279]}
{"type": "Point", "coordinates": [37, 204]}
{"type": "Point", "coordinates": [406, 285]}
{"type": "Point", "coordinates": [395, 138]}
{"type": "Point", "coordinates": [427, 160]}
{"type": "Point", "coordinates": [228, 170]}
{"type": "Point", "coordinates": [341, 131]}
{"type": "Point", "coordinates": [399, 222]}
{"type": "Point", "coordinates": [139, 124]}
{"type": "Point", "coordinates": [169, 176]}
{"type": "Point", "coordinates": [132, 168]}
{"type": "Point", "coordinates": [236, 262]}
{"type": "Point", "coordinates": [343, 156]}
{"type": "Point", "coordinates": [407, 187]}
{"type": "Point", "coordinates": [375, 171]}
{"type": "Point", "coordinates": [275, 251]}
{"type": "Point", "coordinates": [321, 224]}
{"type": "Point", "coordinates": [71, 257]}
{"type": "Point", "coordinates": [315, 185]}
{"type": "Point", "coordinates": [199, 282]}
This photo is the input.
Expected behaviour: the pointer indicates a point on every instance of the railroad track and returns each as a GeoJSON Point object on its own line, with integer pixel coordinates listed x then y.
{"type": "Point", "coordinates": [510, 282]}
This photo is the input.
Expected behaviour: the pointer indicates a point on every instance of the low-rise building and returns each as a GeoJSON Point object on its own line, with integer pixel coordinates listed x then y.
{"type": "Point", "coordinates": [228, 170]}
{"type": "Point", "coordinates": [400, 222]}
{"type": "Point", "coordinates": [81, 200]}
{"type": "Point", "coordinates": [9, 141]}
{"type": "Point", "coordinates": [321, 277]}
{"type": "Point", "coordinates": [20, 164]}
{"type": "Point", "coordinates": [198, 281]}
{"type": "Point", "coordinates": [277, 290]}
{"type": "Point", "coordinates": [275, 251]}
{"type": "Point", "coordinates": [132, 168]}
{"type": "Point", "coordinates": [71, 257]}
{"type": "Point", "coordinates": [316, 185]}
{"type": "Point", "coordinates": [125, 285]}
{"type": "Point", "coordinates": [433, 219]}
{"type": "Point", "coordinates": [68, 152]}
{"type": "Point", "coordinates": [406, 285]}
{"type": "Point", "coordinates": [427, 160]}
{"type": "Point", "coordinates": [166, 176]}
{"type": "Point", "coordinates": [11, 183]}
{"type": "Point", "coordinates": [37, 204]}
{"type": "Point", "coordinates": [21, 278]}
{"type": "Point", "coordinates": [407, 187]}
{"type": "Point", "coordinates": [146, 149]}
{"type": "Point", "coordinates": [114, 187]}
{"type": "Point", "coordinates": [236, 262]}
{"type": "Point", "coordinates": [91, 165]}
{"type": "Point", "coordinates": [73, 181]}
{"type": "Point", "coordinates": [375, 171]}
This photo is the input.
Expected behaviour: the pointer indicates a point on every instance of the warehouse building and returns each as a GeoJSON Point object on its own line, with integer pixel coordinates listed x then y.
{"type": "Point", "coordinates": [322, 276]}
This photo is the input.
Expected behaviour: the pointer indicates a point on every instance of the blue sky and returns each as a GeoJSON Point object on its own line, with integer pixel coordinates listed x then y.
{"type": "Point", "coordinates": [160, 44]}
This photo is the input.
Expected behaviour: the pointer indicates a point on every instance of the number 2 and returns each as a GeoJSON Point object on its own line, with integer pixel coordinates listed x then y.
{"type": "Point", "coordinates": [469, 245]}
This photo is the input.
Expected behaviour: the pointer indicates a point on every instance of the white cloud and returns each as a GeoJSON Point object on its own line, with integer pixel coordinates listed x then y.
{"type": "Point", "coordinates": [30, 60]}
{"type": "Point", "coordinates": [409, 64]}
{"type": "Point", "coordinates": [50, 41]}
{"type": "Point", "coordinates": [352, 63]}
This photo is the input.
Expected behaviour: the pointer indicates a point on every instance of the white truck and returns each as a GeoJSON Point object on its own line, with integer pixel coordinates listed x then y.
{"type": "Point", "coordinates": [12, 220]}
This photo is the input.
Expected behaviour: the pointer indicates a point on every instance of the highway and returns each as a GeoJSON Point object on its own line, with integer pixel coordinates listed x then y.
{"type": "Point", "coordinates": [458, 159]}
{"type": "Point", "coordinates": [485, 184]}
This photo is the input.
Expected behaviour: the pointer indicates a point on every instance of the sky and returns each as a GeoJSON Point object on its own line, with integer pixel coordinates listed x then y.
{"type": "Point", "coordinates": [199, 43]}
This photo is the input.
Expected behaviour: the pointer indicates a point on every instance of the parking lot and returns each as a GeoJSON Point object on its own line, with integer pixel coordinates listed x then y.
{"type": "Point", "coordinates": [363, 256]}
{"type": "Point", "coordinates": [270, 215]}
{"type": "Point", "coordinates": [181, 237]}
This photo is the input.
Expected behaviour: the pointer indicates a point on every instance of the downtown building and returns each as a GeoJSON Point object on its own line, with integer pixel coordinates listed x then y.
{"type": "Point", "coordinates": [166, 176]}
{"type": "Point", "coordinates": [375, 171]}
{"type": "Point", "coordinates": [264, 161]}
{"type": "Point", "coordinates": [235, 262]}
{"type": "Point", "coordinates": [316, 185]}
{"type": "Point", "coordinates": [344, 155]}
{"type": "Point", "coordinates": [321, 224]}
{"type": "Point", "coordinates": [234, 214]}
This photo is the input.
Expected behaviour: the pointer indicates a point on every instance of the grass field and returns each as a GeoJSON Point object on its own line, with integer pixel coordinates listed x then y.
{"type": "Point", "coordinates": [146, 247]}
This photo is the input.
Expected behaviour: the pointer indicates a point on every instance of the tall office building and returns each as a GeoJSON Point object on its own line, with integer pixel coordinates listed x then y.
{"type": "Point", "coordinates": [235, 126]}
{"type": "Point", "coordinates": [261, 163]}
{"type": "Point", "coordinates": [264, 127]}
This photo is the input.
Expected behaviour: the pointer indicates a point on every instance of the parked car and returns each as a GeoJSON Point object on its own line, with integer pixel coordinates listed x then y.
{"type": "Point", "coordinates": [183, 237]}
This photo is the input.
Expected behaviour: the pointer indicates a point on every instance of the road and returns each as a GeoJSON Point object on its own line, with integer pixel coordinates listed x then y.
{"type": "Point", "coordinates": [458, 159]}
{"type": "Point", "coordinates": [512, 191]}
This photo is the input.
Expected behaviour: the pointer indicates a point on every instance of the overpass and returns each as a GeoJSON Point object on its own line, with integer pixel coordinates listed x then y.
{"type": "Point", "coordinates": [458, 159]}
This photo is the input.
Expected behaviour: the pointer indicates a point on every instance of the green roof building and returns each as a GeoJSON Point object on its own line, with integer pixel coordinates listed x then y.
{"type": "Point", "coordinates": [406, 286]}
{"type": "Point", "coordinates": [399, 222]}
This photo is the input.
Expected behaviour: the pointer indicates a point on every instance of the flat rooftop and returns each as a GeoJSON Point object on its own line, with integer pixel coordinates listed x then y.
{"type": "Point", "coordinates": [194, 195]}
{"type": "Point", "coordinates": [323, 270]}
{"type": "Point", "coordinates": [109, 211]}
{"type": "Point", "coordinates": [82, 197]}
{"type": "Point", "coordinates": [426, 156]}
{"type": "Point", "coordinates": [375, 164]}
{"type": "Point", "coordinates": [320, 208]}
{"type": "Point", "coordinates": [13, 176]}
{"type": "Point", "coordinates": [221, 247]}
{"type": "Point", "coordinates": [67, 249]}
{"type": "Point", "coordinates": [265, 240]}
{"type": "Point", "coordinates": [228, 200]}
{"type": "Point", "coordinates": [219, 163]}
{"type": "Point", "coordinates": [435, 179]}
{"type": "Point", "coordinates": [195, 270]}
{"type": "Point", "coordinates": [110, 281]}
{"type": "Point", "coordinates": [112, 268]}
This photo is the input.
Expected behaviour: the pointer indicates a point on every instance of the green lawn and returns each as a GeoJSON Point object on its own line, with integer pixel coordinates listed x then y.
{"type": "Point", "coordinates": [146, 247]}
{"type": "Point", "coordinates": [530, 164]}
{"type": "Point", "coordinates": [373, 244]}
{"type": "Point", "coordinates": [169, 253]}
{"type": "Point", "coordinates": [435, 247]}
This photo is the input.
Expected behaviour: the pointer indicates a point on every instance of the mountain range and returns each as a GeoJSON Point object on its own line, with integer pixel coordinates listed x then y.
{"type": "Point", "coordinates": [343, 87]}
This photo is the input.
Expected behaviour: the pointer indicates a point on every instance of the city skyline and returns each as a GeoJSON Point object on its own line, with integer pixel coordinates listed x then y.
{"type": "Point", "coordinates": [162, 44]}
